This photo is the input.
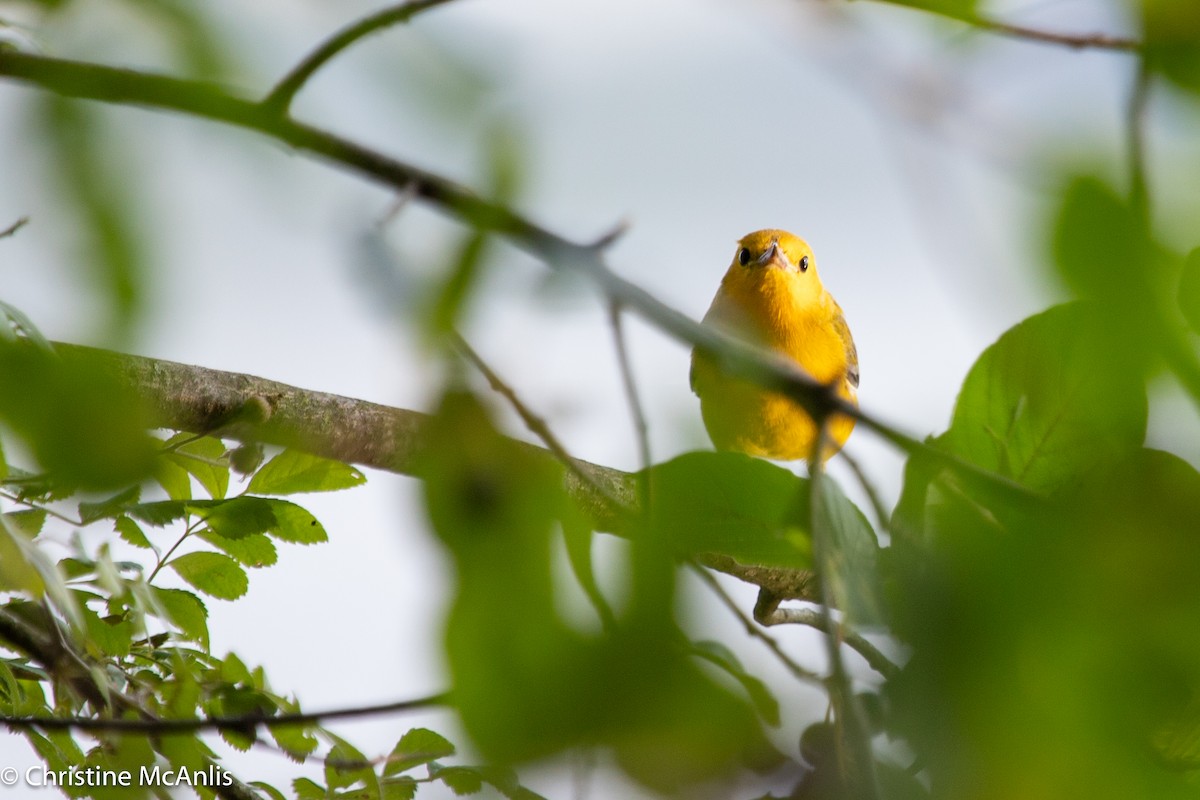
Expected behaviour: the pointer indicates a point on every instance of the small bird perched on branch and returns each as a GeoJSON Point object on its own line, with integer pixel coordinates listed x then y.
{"type": "Point", "coordinates": [772, 297]}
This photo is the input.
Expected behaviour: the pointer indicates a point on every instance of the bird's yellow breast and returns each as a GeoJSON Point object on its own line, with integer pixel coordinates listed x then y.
{"type": "Point", "coordinates": [773, 303]}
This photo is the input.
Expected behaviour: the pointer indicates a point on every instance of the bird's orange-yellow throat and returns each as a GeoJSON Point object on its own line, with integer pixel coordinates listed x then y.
{"type": "Point", "coordinates": [772, 297]}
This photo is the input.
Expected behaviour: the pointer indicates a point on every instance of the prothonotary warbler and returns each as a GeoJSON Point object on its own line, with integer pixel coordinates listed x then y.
{"type": "Point", "coordinates": [772, 297]}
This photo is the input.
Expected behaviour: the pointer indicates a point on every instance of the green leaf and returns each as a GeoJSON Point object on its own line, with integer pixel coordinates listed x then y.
{"type": "Point", "coordinates": [173, 478]}
{"type": "Point", "coordinates": [1189, 290]}
{"type": "Point", "coordinates": [417, 746]}
{"type": "Point", "coordinates": [253, 550]}
{"type": "Point", "coordinates": [294, 524]}
{"type": "Point", "coordinates": [293, 472]}
{"type": "Point", "coordinates": [186, 611]}
{"type": "Point", "coordinates": [297, 741]}
{"type": "Point", "coordinates": [212, 573]}
{"type": "Point", "coordinates": [238, 516]}
{"type": "Point", "coordinates": [1049, 400]}
{"type": "Point", "coordinates": [159, 514]}
{"type": "Point", "coordinates": [27, 522]}
{"type": "Point", "coordinates": [80, 423]}
{"type": "Point", "coordinates": [733, 504]}
{"type": "Point", "coordinates": [203, 459]}
{"type": "Point", "coordinates": [17, 572]}
{"type": "Point", "coordinates": [308, 790]}
{"type": "Point", "coordinates": [401, 788]}
{"type": "Point", "coordinates": [131, 532]}
{"type": "Point", "coordinates": [955, 9]}
{"type": "Point", "coordinates": [1171, 30]}
{"type": "Point", "coordinates": [108, 636]}
{"type": "Point", "coordinates": [346, 765]}
{"type": "Point", "coordinates": [460, 780]}
{"type": "Point", "coordinates": [851, 569]}
{"type": "Point", "coordinates": [111, 507]}
{"type": "Point", "coordinates": [275, 794]}
{"type": "Point", "coordinates": [721, 656]}
{"type": "Point", "coordinates": [12, 318]}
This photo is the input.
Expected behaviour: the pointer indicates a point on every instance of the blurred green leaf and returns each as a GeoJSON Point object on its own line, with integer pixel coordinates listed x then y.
{"type": "Point", "coordinates": [851, 570]}
{"type": "Point", "coordinates": [760, 695]}
{"type": "Point", "coordinates": [460, 780]}
{"type": "Point", "coordinates": [1171, 31]}
{"type": "Point", "coordinates": [274, 793]}
{"type": "Point", "coordinates": [955, 9]}
{"type": "Point", "coordinates": [346, 765]}
{"type": "Point", "coordinates": [237, 516]}
{"type": "Point", "coordinates": [293, 472]}
{"type": "Point", "coordinates": [108, 637]}
{"type": "Point", "coordinates": [297, 741]}
{"type": "Point", "coordinates": [82, 426]}
{"type": "Point", "coordinates": [1049, 400]}
{"type": "Point", "coordinates": [17, 572]}
{"type": "Point", "coordinates": [1189, 290]}
{"type": "Point", "coordinates": [730, 503]}
{"type": "Point", "coordinates": [212, 573]}
{"type": "Point", "coordinates": [28, 522]}
{"type": "Point", "coordinates": [308, 790]}
{"type": "Point", "coordinates": [90, 168]}
{"type": "Point", "coordinates": [111, 507]}
{"type": "Point", "coordinates": [13, 322]}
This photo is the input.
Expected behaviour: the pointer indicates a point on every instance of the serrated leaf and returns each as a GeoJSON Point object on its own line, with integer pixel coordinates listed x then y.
{"type": "Point", "coordinates": [274, 793]}
{"type": "Point", "coordinates": [460, 780]}
{"type": "Point", "coordinates": [293, 472]}
{"type": "Point", "coordinates": [254, 550]}
{"type": "Point", "coordinates": [401, 788]}
{"type": "Point", "coordinates": [760, 695]}
{"type": "Point", "coordinates": [131, 532]}
{"type": "Point", "coordinates": [308, 790]}
{"type": "Point", "coordinates": [160, 513]}
{"type": "Point", "coordinates": [297, 741]}
{"type": "Point", "coordinates": [732, 504]}
{"type": "Point", "coordinates": [111, 507]}
{"type": "Point", "coordinates": [346, 765]}
{"type": "Point", "coordinates": [417, 746]}
{"type": "Point", "coordinates": [294, 524]}
{"type": "Point", "coordinates": [213, 574]}
{"type": "Point", "coordinates": [186, 611]}
{"type": "Point", "coordinates": [27, 522]}
{"type": "Point", "coordinates": [238, 516]}
{"type": "Point", "coordinates": [109, 637]}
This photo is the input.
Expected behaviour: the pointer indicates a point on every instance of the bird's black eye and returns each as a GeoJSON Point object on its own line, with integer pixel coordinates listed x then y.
{"type": "Point", "coordinates": [744, 256]}
{"type": "Point", "coordinates": [804, 264]}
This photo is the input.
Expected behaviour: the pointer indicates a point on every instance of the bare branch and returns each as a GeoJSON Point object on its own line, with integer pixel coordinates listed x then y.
{"type": "Point", "coordinates": [242, 722]}
{"type": "Point", "coordinates": [280, 98]}
{"type": "Point", "coordinates": [813, 619]}
{"type": "Point", "coordinates": [16, 226]}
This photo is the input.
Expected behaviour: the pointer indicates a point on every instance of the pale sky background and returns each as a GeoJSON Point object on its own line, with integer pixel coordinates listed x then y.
{"type": "Point", "coordinates": [906, 151]}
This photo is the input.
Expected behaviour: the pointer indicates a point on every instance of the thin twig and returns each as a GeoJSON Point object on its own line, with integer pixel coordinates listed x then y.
{"type": "Point", "coordinates": [632, 397]}
{"type": "Point", "coordinates": [536, 425]}
{"type": "Point", "coordinates": [280, 98]}
{"type": "Point", "coordinates": [810, 617]}
{"type": "Point", "coordinates": [1077, 41]}
{"type": "Point", "coordinates": [16, 226]}
{"type": "Point", "coordinates": [754, 630]}
{"type": "Point", "coordinates": [1135, 127]}
{"type": "Point", "coordinates": [882, 518]}
{"type": "Point", "coordinates": [239, 722]}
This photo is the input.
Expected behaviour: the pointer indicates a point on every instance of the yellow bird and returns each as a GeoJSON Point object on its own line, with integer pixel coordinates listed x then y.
{"type": "Point", "coordinates": [772, 297]}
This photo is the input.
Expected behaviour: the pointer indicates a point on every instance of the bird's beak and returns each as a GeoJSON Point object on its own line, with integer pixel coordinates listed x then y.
{"type": "Point", "coordinates": [774, 256]}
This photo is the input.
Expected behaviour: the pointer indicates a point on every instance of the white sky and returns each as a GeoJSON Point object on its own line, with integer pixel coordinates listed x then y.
{"type": "Point", "coordinates": [904, 151]}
